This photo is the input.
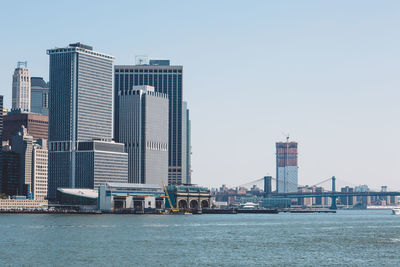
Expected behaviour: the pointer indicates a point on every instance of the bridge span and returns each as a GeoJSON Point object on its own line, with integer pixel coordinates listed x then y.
{"type": "Point", "coordinates": [333, 194]}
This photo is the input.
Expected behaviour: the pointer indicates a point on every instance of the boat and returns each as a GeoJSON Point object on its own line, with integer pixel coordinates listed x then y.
{"type": "Point", "coordinates": [396, 211]}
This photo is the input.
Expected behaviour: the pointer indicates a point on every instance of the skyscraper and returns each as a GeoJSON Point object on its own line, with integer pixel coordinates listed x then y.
{"type": "Point", "coordinates": [39, 96]}
{"type": "Point", "coordinates": [80, 111]}
{"type": "Point", "coordinates": [143, 128]}
{"type": "Point", "coordinates": [168, 80]}
{"type": "Point", "coordinates": [39, 169]}
{"type": "Point", "coordinates": [21, 88]}
{"type": "Point", "coordinates": [22, 143]}
{"type": "Point", "coordinates": [286, 167]}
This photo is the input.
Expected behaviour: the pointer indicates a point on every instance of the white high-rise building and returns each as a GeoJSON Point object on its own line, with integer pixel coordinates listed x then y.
{"type": "Point", "coordinates": [143, 128]}
{"type": "Point", "coordinates": [21, 88]}
{"type": "Point", "coordinates": [39, 169]}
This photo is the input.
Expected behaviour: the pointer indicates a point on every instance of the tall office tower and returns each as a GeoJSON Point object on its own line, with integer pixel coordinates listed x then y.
{"type": "Point", "coordinates": [39, 96]}
{"type": "Point", "coordinates": [80, 110]}
{"type": "Point", "coordinates": [165, 79]}
{"type": "Point", "coordinates": [143, 128]}
{"type": "Point", "coordinates": [286, 167]}
{"type": "Point", "coordinates": [22, 143]}
{"type": "Point", "coordinates": [21, 88]}
{"type": "Point", "coordinates": [36, 124]}
{"type": "Point", "coordinates": [39, 169]}
{"type": "Point", "coordinates": [186, 145]}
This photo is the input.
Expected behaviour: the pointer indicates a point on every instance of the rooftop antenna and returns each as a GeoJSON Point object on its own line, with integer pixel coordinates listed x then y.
{"type": "Point", "coordinates": [22, 64]}
{"type": "Point", "coordinates": [142, 60]}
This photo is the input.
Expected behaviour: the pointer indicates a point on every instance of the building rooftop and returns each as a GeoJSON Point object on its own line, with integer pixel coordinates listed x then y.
{"type": "Point", "coordinates": [133, 185]}
{"type": "Point", "coordinates": [83, 192]}
{"type": "Point", "coordinates": [38, 82]}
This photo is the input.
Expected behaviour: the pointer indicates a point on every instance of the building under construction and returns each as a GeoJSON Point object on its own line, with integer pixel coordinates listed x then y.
{"type": "Point", "coordinates": [286, 167]}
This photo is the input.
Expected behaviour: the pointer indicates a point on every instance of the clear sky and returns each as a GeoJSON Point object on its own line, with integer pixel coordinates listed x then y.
{"type": "Point", "coordinates": [326, 72]}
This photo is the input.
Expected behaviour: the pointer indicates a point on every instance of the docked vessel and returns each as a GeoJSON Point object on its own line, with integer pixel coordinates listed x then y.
{"type": "Point", "coordinates": [396, 211]}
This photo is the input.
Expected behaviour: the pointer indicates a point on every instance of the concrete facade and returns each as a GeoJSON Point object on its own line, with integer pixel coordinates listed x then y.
{"type": "Point", "coordinates": [21, 88]}
{"type": "Point", "coordinates": [96, 162]}
{"type": "Point", "coordinates": [286, 167]}
{"type": "Point", "coordinates": [80, 111]}
{"type": "Point", "coordinates": [143, 128]}
{"type": "Point", "coordinates": [39, 169]}
{"type": "Point", "coordinates": [168, 80]}
{"type": "Point", "coordinates": [22, 143]}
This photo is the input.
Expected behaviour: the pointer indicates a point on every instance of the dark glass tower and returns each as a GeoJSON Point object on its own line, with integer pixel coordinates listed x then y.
{"type": "Point", "coordinates": [168, 80]}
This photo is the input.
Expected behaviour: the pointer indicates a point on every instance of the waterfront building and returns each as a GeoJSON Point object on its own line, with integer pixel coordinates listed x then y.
{"type": "Point", "coordinates": [115, 197]}
{"type": "Point", "coordinates": [80, 112]}
{"type": "Point", "coordinates": [39, 96]}
{"type": "Point", "coordinates": [10, 168]}
{"type": "Point", "coordinates": [189, 197]}
{"type": "Point", "coordinates": [168, 80]}
{"type": "Point", "coordinates": [22, 143]}
{"type": "Point", "coordinates": [286, 167]}
{"type": "Point", "coordinates": [143, 128]}
{"type": "Point", "coordinates": [39, 169]}
{"type": "Point", "coordinates": [21, 88]}
{"type": "Point", "coordinates": [36, 125]}
{"type": "Point", "coordinates": [23, 203]}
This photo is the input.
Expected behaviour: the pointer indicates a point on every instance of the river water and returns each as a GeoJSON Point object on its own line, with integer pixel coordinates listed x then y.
{"type": "Point", "coordinates": [357, 238]}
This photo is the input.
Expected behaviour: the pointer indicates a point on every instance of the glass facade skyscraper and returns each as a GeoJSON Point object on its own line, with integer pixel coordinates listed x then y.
{"type": "Point", "coordinates": [80, 110]}
{"type": "Point", "coordinates": [39, 96]}
{"type": "Point", "coordinates": [168, 80]}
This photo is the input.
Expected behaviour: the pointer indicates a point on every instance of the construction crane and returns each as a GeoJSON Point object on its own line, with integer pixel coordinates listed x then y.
{"type": "Point", "coordinates": [173, 209]}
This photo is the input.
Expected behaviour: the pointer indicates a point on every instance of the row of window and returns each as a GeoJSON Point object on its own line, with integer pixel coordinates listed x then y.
{"type": "Point", "coordinates": [149, 70]}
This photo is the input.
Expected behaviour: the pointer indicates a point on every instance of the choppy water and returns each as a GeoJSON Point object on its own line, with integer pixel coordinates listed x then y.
{"type": "Point", "coordinates": [357, 238]}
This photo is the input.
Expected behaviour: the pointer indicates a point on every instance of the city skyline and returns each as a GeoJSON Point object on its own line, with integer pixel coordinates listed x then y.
{"type": "Point", "coordinates": [341, 94]}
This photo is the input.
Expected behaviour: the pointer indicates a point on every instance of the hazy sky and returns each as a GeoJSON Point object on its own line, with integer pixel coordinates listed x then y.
{"type": "Point", "coordinates": [326, 72]}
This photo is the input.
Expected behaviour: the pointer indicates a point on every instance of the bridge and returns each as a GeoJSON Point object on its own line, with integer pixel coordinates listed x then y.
{"type": "Point", "coordinates": [333, 194]}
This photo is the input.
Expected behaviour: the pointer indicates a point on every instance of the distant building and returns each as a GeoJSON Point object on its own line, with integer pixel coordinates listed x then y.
{"type": "Point", "coordinates": [347, 200]}
{"type": "Point", "coordinates": [39, 96]}
{"type": "Point", "coordinates": [21, 88]}
{"type": "Point", "coordinates": [36, 125]}
{"type": "Point", "coordinates": [10, 168]}
{"type": "Point", "coordinates": [168, 80]}
{"type": "Point", "coordinates": [39, 169]}
{"type": "Point", "coordinates": [22, 143]}
{"type": "Point", "coordinates": [286, 167]}
{"type": "Point", "coordinates": [80, 115]}
{"type": "Point", "coordinates": [143, 128]}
